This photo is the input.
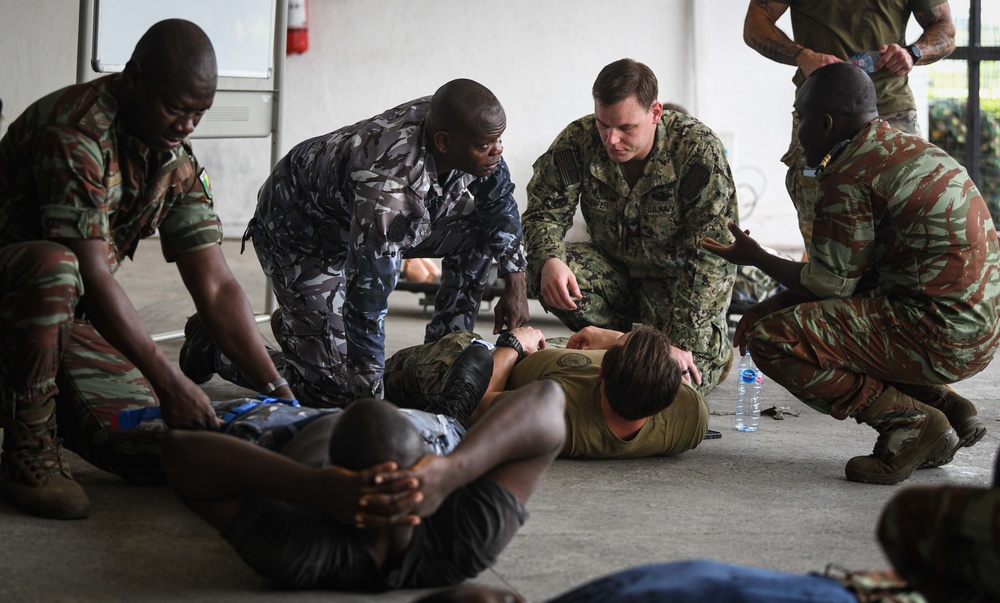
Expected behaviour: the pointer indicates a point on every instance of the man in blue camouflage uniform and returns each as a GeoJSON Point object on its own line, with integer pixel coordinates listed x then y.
{"type": "Point", "coordinates": [901, 293]}
{"type": "Point", "coordinates": [830, 32]}
{"type": "Point", "coordinates": [341, 212]}
{"type": "Point", "coordinates": [651, 184]}
{"type": "Point", "coordinates": [85, 173]}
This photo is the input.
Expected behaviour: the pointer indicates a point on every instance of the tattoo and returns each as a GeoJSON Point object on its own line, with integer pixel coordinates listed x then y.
{"type": "Point", "coordinates": [765, 37]}
{"type": "Point", "coordinates": [938, 39]}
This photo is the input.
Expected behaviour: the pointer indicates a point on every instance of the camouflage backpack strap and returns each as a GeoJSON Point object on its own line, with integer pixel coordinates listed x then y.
{"type": "Point", "coordinates": [566, 165]}
{"type": "Point", "coordinates": [875, 586]}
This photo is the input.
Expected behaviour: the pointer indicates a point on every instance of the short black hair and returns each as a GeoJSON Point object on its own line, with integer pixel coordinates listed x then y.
{"type": "Point", "coordinates": [462, 105]}
{"type": "Point", "coordinates": [840, 89]}
{"type": "Point", "coordinates": [371, 432]}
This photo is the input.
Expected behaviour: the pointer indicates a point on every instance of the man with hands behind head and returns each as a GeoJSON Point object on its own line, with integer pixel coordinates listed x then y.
{"type": "Point", "coordinates": [354, 502]}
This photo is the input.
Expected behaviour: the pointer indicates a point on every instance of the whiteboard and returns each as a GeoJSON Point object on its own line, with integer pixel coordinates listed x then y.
{"type": "Point", "coordinates": [242, 31]}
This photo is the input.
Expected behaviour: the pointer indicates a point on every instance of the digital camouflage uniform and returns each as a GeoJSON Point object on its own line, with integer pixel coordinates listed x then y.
{"type": "Point", "coordinates": [68, 171]}
{"type": "Point", "coordinates": [901, 214]}
{"type": "Point", "coordinates": [643, 262]}
{"type": "Point", "coordinates": [949, 131]}
{"type": "Point", "coordinates": [844, 29]}
{"type": "Point", "coordinates": [334, 222]}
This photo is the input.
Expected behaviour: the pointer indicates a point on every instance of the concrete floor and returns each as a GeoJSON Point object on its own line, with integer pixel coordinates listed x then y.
{"type": "Point", "coordinates": [776, 498]}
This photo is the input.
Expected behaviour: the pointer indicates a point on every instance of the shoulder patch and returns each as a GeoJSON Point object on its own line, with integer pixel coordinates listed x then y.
{"type": "Point", "coordinates": [575, 359]}
{"type": "Point", "coordinates": [566, 165]}
{"type": "Point", "coordinates": [205, 183]}
{"type": "Point", "coordinates": [694, 181]}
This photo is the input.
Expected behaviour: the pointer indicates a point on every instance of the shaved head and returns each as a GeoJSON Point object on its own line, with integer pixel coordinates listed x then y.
{"type": "Point", "coordinates": [839, 89]}
{"type": "Point", "coordinates": [173, 49]}
{"type": "Point", "coordinates": [372, 431]}
{"type": "Point", "coordinates": [463, 106]}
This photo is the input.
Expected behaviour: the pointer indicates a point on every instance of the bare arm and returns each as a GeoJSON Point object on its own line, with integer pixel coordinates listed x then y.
{"type": "Point", "coordinates": [761, 32]}
{"type": "Point", "coordinates": [226, 313]}
{"type": "Point", "coordinates": [111, 312]}
{"type": "Point", "coordinates": [504, 359]}
{"type": "Point", "coordinates": [938, 39]}
{"type": "Point", "coordinates": [512, 445]}
{"type": "Point", "coordinates": [214, 474]}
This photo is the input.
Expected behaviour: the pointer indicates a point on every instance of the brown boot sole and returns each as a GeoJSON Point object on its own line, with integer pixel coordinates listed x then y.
{"type": "Point", "coordinates": [941, 449]}
{"type": "Point", "coordinates": [64, 512]}
{"type": "Point", "coordinates": [970, 431]}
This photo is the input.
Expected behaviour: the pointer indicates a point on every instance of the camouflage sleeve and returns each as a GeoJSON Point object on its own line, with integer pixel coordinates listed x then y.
{"type": "Point", "coordinates": [499, 219]}
{"type": "Point", "coordinates": [191, 222]}
{"type": "Point", "coordinates": [72, 185]}
{"type": "Point", "coordinates": [707, 194]}
{"type": "Point", "coordinates": [386, 215]}
{"type": "Point", "coordinates": [551, 204]}
{"type": "Point", "coordinates": [843, 240]}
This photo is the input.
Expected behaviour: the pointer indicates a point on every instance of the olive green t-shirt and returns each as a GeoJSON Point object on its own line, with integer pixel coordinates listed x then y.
{"type": "Point", "coordinates": [845, 29]}
{"type": "Point", "coordinates": [678, 428]}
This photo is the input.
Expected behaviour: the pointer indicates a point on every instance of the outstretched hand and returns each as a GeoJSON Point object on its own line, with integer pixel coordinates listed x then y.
{"type": "Point", "coordinates": [744, 250]}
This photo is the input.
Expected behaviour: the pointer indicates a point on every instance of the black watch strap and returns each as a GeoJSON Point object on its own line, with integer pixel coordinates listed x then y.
{"type": "Point", "coordinates": [509, 340]}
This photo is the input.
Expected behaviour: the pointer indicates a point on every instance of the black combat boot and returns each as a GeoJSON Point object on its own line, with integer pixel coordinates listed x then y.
{"type": "Point", "coordinates": [465, 384]}
{"type": "Point", "coordinates": [197, 358]}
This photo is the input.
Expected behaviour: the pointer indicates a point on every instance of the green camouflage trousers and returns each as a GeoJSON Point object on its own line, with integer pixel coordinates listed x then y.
{"type": "Point", "coordinates": [804, 190]}
{"type": "Point", "coordinates": [612, 300]}
{"type": "Point", "coordinates": [838, 355]}
{"type": "Point", "coordinates": [944, 541]}
{"type": "Point", "coordinates": [47, 353]}
{"type": "Point", "coordinates": [413, 375]}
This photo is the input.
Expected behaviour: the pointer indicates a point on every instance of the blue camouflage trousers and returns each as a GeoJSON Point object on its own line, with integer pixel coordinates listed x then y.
{"type": "Point", "coordinates": [48, 353]}
{"type": "Point", "coordinates": [311, 292]}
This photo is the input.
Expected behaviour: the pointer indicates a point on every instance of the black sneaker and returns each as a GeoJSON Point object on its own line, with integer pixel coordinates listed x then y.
{"type": "Point", "coordinates": [197, 358]}
{"type": "Point", "coordinates": [465, 384]}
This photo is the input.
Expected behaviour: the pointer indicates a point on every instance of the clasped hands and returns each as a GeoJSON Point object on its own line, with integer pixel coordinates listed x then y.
{"type": "Point", "coordinates": [383, 495]}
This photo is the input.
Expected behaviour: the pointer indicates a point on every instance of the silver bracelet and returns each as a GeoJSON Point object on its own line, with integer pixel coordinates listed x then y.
{"type": "Point", "coordinates": [270, 387]}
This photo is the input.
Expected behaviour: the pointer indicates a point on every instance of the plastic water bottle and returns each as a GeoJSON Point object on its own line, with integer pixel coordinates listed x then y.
{"type": "Point", "coordinates": [748, 395]}
{"type": "Point", "coordinates": [866, 60]}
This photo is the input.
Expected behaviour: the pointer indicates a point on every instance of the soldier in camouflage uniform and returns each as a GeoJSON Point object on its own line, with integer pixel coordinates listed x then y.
{"type": "Point", "coordinates": [341, 212]}
{"type": "Point", "coordinates": [900, 293]}
{"type": "Point", "coordinates": [85, 173]}
{"type": "Point", "coordinates": [651, 184]}
{"type": "Point", "coordinates": [943, 540]}
{"type": "Point", "coordinates": [828, 32]}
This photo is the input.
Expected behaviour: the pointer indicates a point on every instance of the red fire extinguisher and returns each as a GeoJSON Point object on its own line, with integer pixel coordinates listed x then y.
{"type": "Point", "coordinates": [298, 27]}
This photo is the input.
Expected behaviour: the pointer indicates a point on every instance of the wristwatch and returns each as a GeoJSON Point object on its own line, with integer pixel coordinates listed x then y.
{"type": "Point", "coordinates": [509, 340]}
{"type": "Point", "coordinates": [914, 51]}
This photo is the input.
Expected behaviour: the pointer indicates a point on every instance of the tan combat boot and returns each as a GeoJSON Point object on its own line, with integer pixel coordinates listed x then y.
{"type": "Point", "coordinates": [33, 474]}
{"type": "Point", "coordinates": [960, 411]}
{"type": "Point", "coordinates": [911, 434]}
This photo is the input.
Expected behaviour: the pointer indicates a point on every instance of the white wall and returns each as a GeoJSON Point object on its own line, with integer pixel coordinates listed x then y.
{"type": "Point", "coordinates": [540, 57]}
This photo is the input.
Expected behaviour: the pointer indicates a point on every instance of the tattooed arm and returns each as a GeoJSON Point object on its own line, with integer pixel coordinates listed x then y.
{"type": "Point", "coordinates": [935, 43]}
{"type": "Point", "coordinates": [760, 32]}
{"type": "Point", "coordinates": [938, 39]}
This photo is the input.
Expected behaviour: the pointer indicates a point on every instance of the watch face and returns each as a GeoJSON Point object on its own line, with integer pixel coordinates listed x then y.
{"type": "Point", "coordinates": [914, 51]}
